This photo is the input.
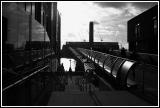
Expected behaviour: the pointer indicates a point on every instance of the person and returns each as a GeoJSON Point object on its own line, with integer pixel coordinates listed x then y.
{"type": "Point", "coordinates": [62, 68]}
{"type": "Point", "coordinates": [70, 72]}
{"type": "Point", "coordinates": [123, 52]}
{"type": "Point", "coordinates": [61, 72]}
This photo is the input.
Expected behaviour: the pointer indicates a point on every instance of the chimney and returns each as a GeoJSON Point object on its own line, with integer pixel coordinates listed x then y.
{"type": "Point", "coordinates": [91, 33]}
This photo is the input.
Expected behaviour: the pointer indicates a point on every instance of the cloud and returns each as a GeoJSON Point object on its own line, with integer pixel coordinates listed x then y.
{"type": "Point", "coordinates": [144, 5]}
{"type": "Point", "coordinates": [71, 35]}
{"type": "Point", "coordinates": [110, 20]}
{"type": "Point", "coordinates": [96, 22]}
{"type": "Point", "coordinates": [111, 4]}
{"type": "Point", "coordinates": [141, 5]}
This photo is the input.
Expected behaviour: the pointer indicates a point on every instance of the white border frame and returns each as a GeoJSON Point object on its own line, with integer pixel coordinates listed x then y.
{"type": "Point", "coordinates": [79, 1]}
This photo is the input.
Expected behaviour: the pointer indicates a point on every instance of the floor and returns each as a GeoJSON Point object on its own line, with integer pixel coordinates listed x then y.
{"type": "Point", "coordinates": [73, 96]}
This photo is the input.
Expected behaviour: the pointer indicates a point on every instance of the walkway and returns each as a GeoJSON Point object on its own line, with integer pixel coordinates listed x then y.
{"type": "Point", "coordinates": [72, 96]}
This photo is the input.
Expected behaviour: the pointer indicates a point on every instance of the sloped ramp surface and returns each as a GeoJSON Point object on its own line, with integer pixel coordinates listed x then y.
{"type": "Point", "coordinates": [70, 99]}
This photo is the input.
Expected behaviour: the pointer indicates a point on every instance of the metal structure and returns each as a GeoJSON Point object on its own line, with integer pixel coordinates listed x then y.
{"type": "Point", "coordinates": [116, 67]}
{"type": "Point", "coordinates": [117, 73]}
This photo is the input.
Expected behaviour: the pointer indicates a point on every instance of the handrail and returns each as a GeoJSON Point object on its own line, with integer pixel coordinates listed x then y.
{"type": "Point", "coordinates": [24, 78]}
{"type": "Point", "coordinates": [105, 54]}
{"type": "Point", "coordinates": [106, 84]}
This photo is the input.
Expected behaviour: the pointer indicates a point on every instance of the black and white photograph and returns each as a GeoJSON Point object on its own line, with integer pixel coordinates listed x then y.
{"type": "Point", "coordinates": [79, 53]}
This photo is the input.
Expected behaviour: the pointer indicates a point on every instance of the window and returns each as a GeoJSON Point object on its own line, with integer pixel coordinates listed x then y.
{"type": "Point", "coordinates": [137, 31]}
{"type": "Point", "coordinates": [28, 7]}
{"type": "Point", "coordinates": [38, 11]}
{"type": "Point", "coordinates": [155, 26]}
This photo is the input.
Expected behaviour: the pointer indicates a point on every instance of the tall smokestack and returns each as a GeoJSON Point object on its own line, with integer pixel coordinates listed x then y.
{"type": "Point", "coordinates": [91, 33]}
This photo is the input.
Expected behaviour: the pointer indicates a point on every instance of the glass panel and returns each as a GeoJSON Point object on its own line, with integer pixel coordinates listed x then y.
{"type": "Point", "coordinates": [97, 58]}
{"type": "Point", "coordinates": [117, 66]}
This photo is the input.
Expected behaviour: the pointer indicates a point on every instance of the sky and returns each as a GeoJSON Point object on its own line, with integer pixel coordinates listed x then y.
{"type": "Point", "coordinates": [110, 20]}
{"type": "Point", "coordinates": [66, 63]}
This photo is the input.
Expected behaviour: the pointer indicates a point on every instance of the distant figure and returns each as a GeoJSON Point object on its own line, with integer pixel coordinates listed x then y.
{"type": "Point", "coordinates": [62, 68]}
{"type": "Point", "coordinates": [61, 71]}
{"type": "Point", "coordinates": [123, 52]}
{"type": "Point", "coordinates": [70, 72]}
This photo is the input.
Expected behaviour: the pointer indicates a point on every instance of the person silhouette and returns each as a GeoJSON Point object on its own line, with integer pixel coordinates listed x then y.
{"type": "Point", "coordinates": [62, 68]}
{"type": "Point", "coordinates": [123, 52]}
{"type": "Point", "coordinates": [70, 72]}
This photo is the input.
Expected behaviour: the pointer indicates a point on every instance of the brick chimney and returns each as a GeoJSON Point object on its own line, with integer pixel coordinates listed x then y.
{"type": "Point", "coordinates": [91, 33]}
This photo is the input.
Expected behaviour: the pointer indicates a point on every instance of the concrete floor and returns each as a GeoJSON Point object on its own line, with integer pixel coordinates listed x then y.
{"type": "Point", "coordinates": [72, 96]}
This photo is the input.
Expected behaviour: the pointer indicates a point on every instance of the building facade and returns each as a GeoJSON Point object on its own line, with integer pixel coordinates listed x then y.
{"type": "Point", "coordinates": [143, 32]}
{"type": "Point", "coordinates": [30, 50]}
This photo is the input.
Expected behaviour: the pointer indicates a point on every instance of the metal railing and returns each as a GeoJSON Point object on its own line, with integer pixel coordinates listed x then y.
{"type": "Point", "coordinates": [24, 78]}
